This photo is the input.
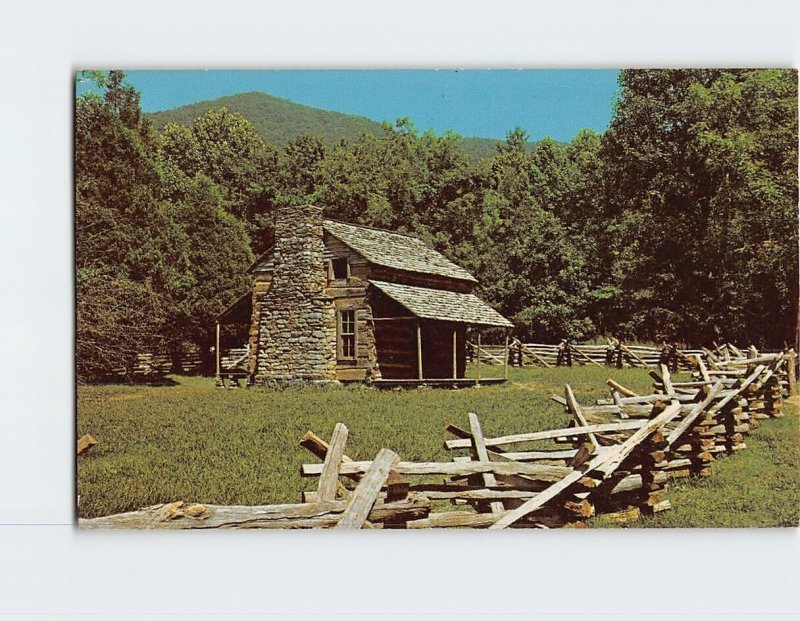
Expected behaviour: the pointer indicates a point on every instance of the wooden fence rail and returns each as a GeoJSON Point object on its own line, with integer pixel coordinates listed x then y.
{"type": "Point", "coordinates": [614, 354]}
{"type": "Point", "coordinates": [622, 453]}
{"type": "Point", "coordinates": [234, 360]}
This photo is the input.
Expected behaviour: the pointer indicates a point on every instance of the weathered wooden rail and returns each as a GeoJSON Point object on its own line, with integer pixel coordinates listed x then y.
{"type": "Point", "coordinates": [233, 361]}
{"type": "Point", "coordinates": [155, 365]}
{"type": "Point", "coordinates": [614, 354]}
{"type": "Point", "coordinates": [159, 365]}
{"type": "Point", "coordinates": [621, 454]}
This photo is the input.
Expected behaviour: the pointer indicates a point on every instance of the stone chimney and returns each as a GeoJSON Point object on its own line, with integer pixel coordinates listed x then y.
{"type": "Point", "coordinates": [297, 323]}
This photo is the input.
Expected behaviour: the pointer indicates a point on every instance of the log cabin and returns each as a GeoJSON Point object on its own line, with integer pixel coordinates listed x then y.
{"type": "Point", "coordinates": [346, 302]}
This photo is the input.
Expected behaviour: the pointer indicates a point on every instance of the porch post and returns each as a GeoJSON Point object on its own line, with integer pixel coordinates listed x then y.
{"type": "Point", "coordinates": [455, 354]}
{"type": "Point", "coordinates": [217, 377]}
{"type": "Point", "coordinates": [505, 367]}
{"type": "Point", "coordinates": [478, 372]}
{"type": "Point", "coordinates": [419, 350]}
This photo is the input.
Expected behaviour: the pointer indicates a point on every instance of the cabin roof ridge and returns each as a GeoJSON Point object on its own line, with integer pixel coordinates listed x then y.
{"type": "Point", "coordinates": [396, 250]}
{"type": "Point", "coordinates": [371, 228]}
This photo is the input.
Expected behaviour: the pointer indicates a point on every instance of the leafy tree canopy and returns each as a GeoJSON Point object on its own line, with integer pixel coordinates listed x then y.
{"type": "Point", "coordinates": [680, 222]}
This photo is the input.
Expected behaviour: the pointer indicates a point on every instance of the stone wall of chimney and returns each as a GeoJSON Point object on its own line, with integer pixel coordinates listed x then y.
{"type": "Point", "coordinates": [297, 322]}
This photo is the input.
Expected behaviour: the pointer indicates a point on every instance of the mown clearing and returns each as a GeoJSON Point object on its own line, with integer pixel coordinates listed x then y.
{"type": "Point", "coordinates": [191, 441]}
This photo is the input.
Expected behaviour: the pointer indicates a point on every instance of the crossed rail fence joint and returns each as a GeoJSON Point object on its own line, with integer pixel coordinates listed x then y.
{"type": "Point", "coordinates": [621, 454]}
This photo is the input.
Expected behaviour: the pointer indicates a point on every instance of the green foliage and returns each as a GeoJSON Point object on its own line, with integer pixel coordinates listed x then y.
{"type": "Point", "coordinates": [535, 269]}
{"type": "Point", "coordinates": [116, 318]}
{"type": "Point", "coordinates": [226, 148]}
{"type": "Point", "coordinates": [216, 254]}
{"type": "Point", "coordinates": [98, 78]}
{"type": "Point", "coordinates": [120, 231]}
{"type": "Point", "coordinates": [679, 223]}
{"type": "Point", "coordinates": [700, 193]}
{"type": "Point", "coordinates": [157, 254]}
{"type": "Point", "coordinates": [279, 121]}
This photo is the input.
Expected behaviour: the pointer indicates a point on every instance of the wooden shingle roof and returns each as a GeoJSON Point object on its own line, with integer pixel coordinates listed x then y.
{"type": "Point", "coordinates": [395, 250]}
{"type": "Point", "coordinates": [443, 305]}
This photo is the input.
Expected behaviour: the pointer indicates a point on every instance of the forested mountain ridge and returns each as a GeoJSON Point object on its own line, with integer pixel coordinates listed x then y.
{"type": "Point", "coordinates": [678, 223]}
{"type": "Point", "coordinates": [276, 120]}
{"type": "Point", "coordinates": [280, 120]}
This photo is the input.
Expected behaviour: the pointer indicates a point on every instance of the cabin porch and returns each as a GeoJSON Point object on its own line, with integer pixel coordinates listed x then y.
{"type": "Point", "coordinates": [421, 335]}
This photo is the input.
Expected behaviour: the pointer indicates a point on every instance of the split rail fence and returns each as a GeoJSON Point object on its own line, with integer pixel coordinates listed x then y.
{"type": "Point", "coordinates": [615, 354]}
{"type": "Point", "coordinates": [149, 365]}
{"type": "Point", "coordinates": [615, 457]}
{"type": "Point", "coordinates": [520, 354]}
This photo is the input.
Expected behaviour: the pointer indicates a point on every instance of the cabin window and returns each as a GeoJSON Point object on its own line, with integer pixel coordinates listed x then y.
{"type": "Point", "coordinates": [340, 269]}
{"type": "Point", "coordinates": [347, 334]}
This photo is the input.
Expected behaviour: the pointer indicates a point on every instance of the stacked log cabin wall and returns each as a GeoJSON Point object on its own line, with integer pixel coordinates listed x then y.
{"type": "Point", "coordinates": [350, 294]}
{"type": "Point", "coordinates": [396, 330]}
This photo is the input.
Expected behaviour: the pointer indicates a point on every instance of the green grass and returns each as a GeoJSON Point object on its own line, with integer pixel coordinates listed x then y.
{"type": "Point", "coordinates": [758, 486]}
{"type": "Point", "coordinates": [194, 442]}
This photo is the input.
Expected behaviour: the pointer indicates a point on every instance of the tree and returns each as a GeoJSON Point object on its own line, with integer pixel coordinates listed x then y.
{"type": "Point", "coordinates": [123, 100]}
{"type": "Point", "coordinates": [700, 200]}
{"type": "Point", "coordinates": [157, 254]}
{"type": "Point", "coordinates": [116, 319]}
{"type": "Point", "coordinates": [235, 157]}
{"type": "Point", "coordinates": [123, 247]}
{"type": "Point", "coordinates": [533, 268]}
{"type": "Point", "coordinates": [679, 222]}
{"type": "Point", "coordinates": [299, 166]}
{"type": "Point", "coordinates": [216, 257]}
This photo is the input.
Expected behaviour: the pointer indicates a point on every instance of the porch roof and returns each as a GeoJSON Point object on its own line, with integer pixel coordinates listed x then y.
{"type": "Point", "coordinates": [443, 305]}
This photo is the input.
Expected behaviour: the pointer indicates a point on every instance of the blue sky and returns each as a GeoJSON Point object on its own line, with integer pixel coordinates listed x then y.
{"type": "Point", "coordinates": [487, 103]}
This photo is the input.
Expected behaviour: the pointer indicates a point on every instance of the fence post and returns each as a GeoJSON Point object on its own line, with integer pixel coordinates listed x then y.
{"type": "Point", "coordinates": [792, 373]}
{"type": "Point", "coordinates": [419, 351]}
{"type": "Point", "coordinates": [218, 377]}
{"type": "Point", "coordinates": [455, 353]}
{"type": "Point", "coordinates": [505, 368]}
{"type": "Point", "coordinates": [478, 372]}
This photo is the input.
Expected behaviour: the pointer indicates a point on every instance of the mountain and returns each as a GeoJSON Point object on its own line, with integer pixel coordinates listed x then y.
{"type": "Point", "coordinates": [280, 120]}
{"type": "Point", "coordinates": [277, 120]}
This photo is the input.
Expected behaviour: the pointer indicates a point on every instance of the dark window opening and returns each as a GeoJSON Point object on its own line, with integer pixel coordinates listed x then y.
{"type": "Point", "coordinates": [347, 334]}
{"type": "Point", "coordinates": [340, 268]}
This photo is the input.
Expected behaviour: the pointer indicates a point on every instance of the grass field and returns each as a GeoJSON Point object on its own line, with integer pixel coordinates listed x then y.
{"type": "Point", "coordinates": [190, 441]}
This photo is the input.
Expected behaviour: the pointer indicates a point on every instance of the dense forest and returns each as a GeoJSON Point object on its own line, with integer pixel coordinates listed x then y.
{"type": "Point", "coordinates": [679, 222]}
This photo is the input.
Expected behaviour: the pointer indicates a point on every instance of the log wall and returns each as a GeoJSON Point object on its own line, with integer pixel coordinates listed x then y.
{"type": "Point", "coordinates": [395, 338]}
